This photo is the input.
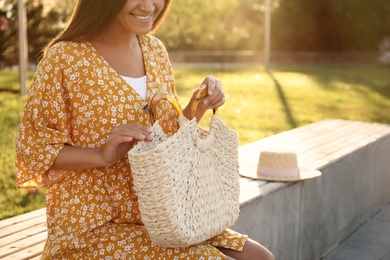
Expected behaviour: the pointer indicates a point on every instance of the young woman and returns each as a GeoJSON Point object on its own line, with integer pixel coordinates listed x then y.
{"type": "Point", "coordinates": [84, 113]}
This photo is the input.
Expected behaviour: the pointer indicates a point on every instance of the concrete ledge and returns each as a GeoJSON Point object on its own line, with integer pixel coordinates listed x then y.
{"type": "Point", "coordinates": [306, 220]}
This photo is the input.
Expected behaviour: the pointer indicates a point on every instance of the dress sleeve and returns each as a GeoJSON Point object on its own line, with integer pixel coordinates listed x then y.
{"type": "Point", "coordinates": [44, 126]}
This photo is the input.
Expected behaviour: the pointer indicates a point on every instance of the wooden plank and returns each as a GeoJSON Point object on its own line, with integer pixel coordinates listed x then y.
{"type": "Point", "coordinates": [340, 145]}
{"type": "Point", "coordinates": [332, 138]}
{"type": "Point", "coordinates": [35, 258]}
{"type": "Point", "coordinates": [305, 134]}
{"type": "Point", "coordinates": [20, 226]}
{"type": "Point", "coordinates": [297, 138]}
{"type": "Point", "coordinates": [23, 217]}
{"type": "Point", "coordinates": [38, 257]}
{"type": "Point", "coordinates": [23, 236]}
{"type": "Point", "coordinates": [23, 244]}
{"type": "Point", "coordinates": [28, 232]}
{"type": "Point", "coordinates": [352, 141]}
{"type": "Point", "coordinates": [341, 131]}
{"type": "Point", "coordinates": [31, 253]}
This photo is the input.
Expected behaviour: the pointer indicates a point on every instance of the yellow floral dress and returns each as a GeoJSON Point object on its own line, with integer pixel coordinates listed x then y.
{"type": "Point", "coordinates": [76, 98]}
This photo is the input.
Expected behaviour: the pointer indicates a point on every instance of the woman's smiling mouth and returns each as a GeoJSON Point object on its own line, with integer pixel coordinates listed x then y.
{"type": "Point", "coordinates": [142, 17]}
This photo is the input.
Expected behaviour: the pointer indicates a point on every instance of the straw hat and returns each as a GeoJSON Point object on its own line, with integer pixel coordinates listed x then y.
{"type": "Point", "coordinates": [281, 165]}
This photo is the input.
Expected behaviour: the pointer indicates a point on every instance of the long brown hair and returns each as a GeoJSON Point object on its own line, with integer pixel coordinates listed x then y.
{"type": "Point", "coordinates": [90, 17]}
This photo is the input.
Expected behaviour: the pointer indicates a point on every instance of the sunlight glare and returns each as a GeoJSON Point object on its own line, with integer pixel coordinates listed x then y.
{"type": "Point", "coordinates": [295, 79]}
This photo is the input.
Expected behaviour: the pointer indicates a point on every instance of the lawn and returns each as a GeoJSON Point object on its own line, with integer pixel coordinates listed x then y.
{"type": "Point", "coordinates": [258, 105]}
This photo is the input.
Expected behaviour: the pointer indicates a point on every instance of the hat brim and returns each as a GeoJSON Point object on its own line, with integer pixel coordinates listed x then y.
{"type": "Point", "coordinates": [304, 174]}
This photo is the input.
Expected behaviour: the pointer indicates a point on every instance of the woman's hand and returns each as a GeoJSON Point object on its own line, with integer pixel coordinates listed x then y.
{"type": "Point", "coordinates": [122, 139]}
{"type": "Point", "coordinates": [215, 97]}
{"type": "Point", "coordinates": [215, 94]}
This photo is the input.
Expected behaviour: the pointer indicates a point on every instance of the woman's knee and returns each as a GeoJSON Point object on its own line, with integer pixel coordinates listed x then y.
{"type": "Point", "coordinates": [254, 250]}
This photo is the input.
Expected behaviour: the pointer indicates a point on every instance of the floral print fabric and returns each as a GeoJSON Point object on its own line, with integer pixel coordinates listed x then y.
{"type": "Point", "coordinates": [77, 99]}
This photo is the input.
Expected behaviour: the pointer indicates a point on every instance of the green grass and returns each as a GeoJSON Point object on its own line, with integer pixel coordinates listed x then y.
{"type": "Point", "coordinates": [12, 201]}
{"type": "Point", "coordinates": [261, 104]}
{"type": "Point", "coordinates": [258, 105]}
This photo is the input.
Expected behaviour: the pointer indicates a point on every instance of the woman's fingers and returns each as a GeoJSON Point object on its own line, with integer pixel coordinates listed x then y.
{"type": "Point", "coordinates": [130, 132]}
{"type": "Point", "coordinates": [210, 82]}
{"type": "Point", "coordinates": [122, 139]}
{"type": "Point", "coordinates": [216, 95]}
{"type": "Point", "coordinates": [217, 99]}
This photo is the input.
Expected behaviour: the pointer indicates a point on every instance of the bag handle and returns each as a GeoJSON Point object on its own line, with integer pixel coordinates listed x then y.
{"type": "Point", "coordinates": [165, 96]}
{"type": "Point", "coordinates": [195, 103]}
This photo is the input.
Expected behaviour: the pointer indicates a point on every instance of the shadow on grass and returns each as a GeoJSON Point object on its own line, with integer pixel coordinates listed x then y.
{"type": "Point", "coordinates": [374, 77]}
{"type": "Point", "coordinates": [289, 117]}
{"type": "Point", "coordinates": [359, 92]}
{"type": "Point", "coordinates": [14, 91]}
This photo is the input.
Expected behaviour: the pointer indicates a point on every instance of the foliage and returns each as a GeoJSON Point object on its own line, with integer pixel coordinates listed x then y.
{"type": "Point", "coordinates": [42, 26]}
{"type": "Point", "coordinates": [330, 25]}
{"type": "Point", "coordinates": [216, 25]}
{"type": "Point", "coordinates": [297, 25]}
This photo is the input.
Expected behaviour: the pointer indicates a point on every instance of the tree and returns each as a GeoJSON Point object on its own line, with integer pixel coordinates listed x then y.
{"type": "Point", "coordinates": [7, 47]}
{"type": "Point", "coordinates": [214, 25]}
{"type": "Point", "coordinates": [330, 25]}
{"type": "Point", "coordinates": [42, 25]}
{"type": "Point", "coordinates": [297, 25]}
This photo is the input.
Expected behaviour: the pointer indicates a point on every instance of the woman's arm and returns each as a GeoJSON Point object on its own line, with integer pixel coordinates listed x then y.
{"type": "Point", "coordinates": [77, 158]}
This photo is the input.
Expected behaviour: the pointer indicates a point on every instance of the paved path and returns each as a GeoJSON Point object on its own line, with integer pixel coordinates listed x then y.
{"type": "Point", "coordinates": [369, 242]}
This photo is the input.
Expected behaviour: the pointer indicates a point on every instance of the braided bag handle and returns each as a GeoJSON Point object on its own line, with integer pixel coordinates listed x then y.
{"type": "Point", "coordinates": [165, 96]}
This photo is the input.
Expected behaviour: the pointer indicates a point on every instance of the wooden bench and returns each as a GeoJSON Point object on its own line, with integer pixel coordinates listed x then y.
{"type": "Point", "coordinates": [24, 236]}
{"type": "Point", "coordinates": [302, 220]}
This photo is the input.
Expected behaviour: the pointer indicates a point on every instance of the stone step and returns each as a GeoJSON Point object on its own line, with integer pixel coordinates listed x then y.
{"type": "Point", "coordinates": [370, 242]}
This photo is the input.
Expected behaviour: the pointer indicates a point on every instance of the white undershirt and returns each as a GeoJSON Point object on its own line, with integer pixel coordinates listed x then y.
{"type": "Point", "coordinates": [138, 84]}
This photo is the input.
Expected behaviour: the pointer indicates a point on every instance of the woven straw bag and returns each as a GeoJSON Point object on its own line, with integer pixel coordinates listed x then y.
{"type": "Point", "coordinates": [188, 184]}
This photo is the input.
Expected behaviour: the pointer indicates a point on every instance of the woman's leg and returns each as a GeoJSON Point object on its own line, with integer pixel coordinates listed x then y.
{"type": "Point", "coordinates": [252, 251]}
